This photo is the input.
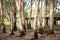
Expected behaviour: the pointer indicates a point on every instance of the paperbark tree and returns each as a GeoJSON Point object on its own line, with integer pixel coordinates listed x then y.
{"type": "Point", "coordinates": [11, 9]}
{"type": "Point", "coordinates": [41, 13]}
{"type": "Point", "coordinates": [1, 17]}
{"type": "Point", "coordinates": [23, 15]}
{"type": "Point", "coordinates": [44, 13]}
{"type": "Point", "coordinates": [20, 9]}
{"type": "Point", "coordinates": [12, 16]}
{"type": "Point", "coordinates": [51, 14]}
{"type": "Point", "coordinates": [29, 23]}
{"type": "Point", "coordinates": [14, 5]}
{"type": "Point", "coordinates": [35, 19]}
{"type": "Point", "coordinates": [4, 28]}
{"type": "Point", "coordinates": [0, 14]}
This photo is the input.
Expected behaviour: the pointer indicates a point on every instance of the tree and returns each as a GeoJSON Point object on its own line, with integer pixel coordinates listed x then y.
{"type": "Point", "coordinates": [41, 1]}
{"type": "Point", "coordinates": [30, 14]}
{"type": "Point", "coordinates": [14, 5]}
{"type": "Point", "coordinates": [0, 14]}
{"type": "Point", "coordinates": [51, 14]}
{"type": "Point", "coordinates": [4, 28]}
{"type": "Point", "coordinates": [35, 19]}
{"type": "Point", "coordinates": [20, 9]}
{"type": "Point", "coordinates": [23, 15]}
{"type": "Point", "coordinates": [1, 17]}
{"type": "Point", "coordinates": [44, 13]}
{"type": "Point", "coordinates": [12, 15]}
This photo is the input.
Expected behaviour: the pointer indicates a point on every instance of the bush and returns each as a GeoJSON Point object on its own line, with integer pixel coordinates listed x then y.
{"type": "Point", "coordinates": [3, 25]}
{"type": "Point", "coordinates": [43, 30]}
{"type": "Point", "coordinates": [0, 31]}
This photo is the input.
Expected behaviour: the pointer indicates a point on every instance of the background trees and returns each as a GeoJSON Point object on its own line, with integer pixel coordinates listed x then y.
{"type": "Point", "coordinates": [15, 12]}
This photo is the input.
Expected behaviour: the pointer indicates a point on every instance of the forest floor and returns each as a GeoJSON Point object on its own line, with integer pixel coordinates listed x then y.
{"type": "Point", "coordinates": [29, 36]}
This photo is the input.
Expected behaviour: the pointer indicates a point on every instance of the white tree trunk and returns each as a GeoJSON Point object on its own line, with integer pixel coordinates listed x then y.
{"type": "Point", "coordinates": [44, 13]}
{"type": "Point", "coordinates": [20, 9]}
{"type": "Point", "coordinates": [51, 13]}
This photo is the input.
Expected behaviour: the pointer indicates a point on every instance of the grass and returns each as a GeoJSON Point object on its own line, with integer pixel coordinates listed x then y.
{"type": "Point", "coordinates": [0, 31]}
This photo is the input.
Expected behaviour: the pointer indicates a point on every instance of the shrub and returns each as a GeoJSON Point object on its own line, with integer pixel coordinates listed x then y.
{"type": "Point", "coordinates": [0, 31]}
{"type": "Point", "coordinates": [43, 30]}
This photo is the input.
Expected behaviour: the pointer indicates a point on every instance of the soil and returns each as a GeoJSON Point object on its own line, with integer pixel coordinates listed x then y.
{"type": "Point", "coordinates": [29, 36]}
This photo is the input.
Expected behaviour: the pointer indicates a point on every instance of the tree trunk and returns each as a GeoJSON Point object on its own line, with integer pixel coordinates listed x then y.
{"type": "Point", "coordinates": [15, 27]}
{"type": "Point", "coordinates": [29, 23]}
{"type": "Point", "coordinates": [51, 14]}
{"type": "Point", "coordinates": [40, 14]}
{"type": "Point", "coordinates": [23, 15]}
{"type": "Point", "coordinates": [19, 5]}
{"type": "Point", "coordinates": [0, 14]}
{"type": "Point", "coordinates": [12, 16]}
{"type": "Point", "coordinates": [35, 20]}
{"type": "Point", "coordinates": [11, 23]}
{"type": "Point", "coordinates": [4, 28]}
{"type": "Point", "coordinates": [44, 13]}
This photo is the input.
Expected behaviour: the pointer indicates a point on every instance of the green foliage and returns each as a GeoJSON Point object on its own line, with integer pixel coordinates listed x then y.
{"type": "Point", "coordinates": [29, 26]}
{"type": "Point", "coordinates": [3, 24]}
{"type": "Point", "coordinates": [0, 31]}
{"type": "Point", "coordinates": [57, 14]}
{"type": "Point", "coordinates": [43, 29]}
{"type": "Point", "coordinates": [26, 14]}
